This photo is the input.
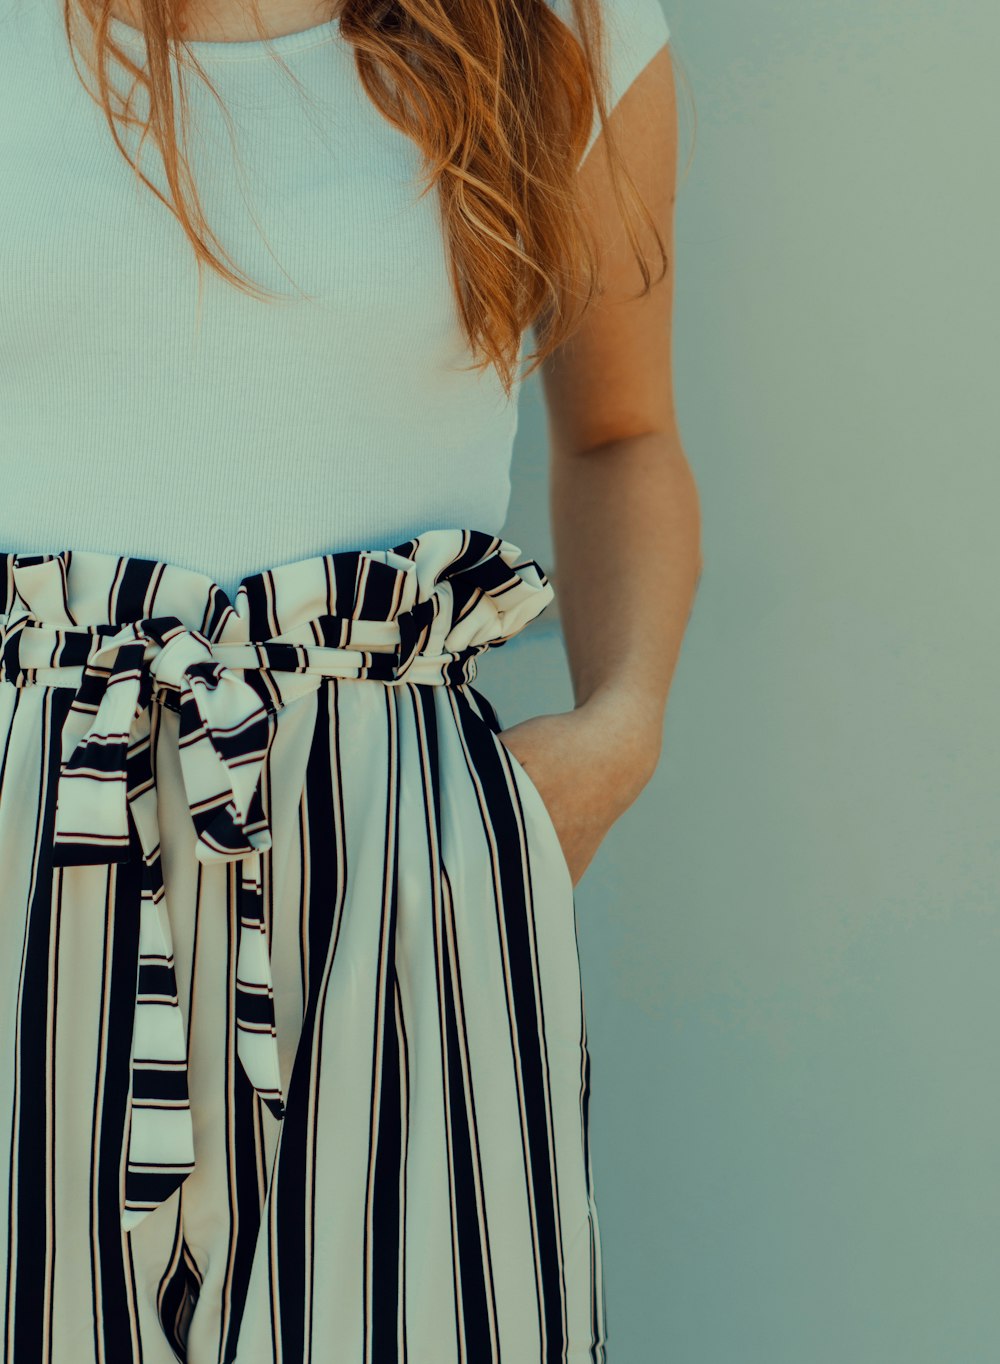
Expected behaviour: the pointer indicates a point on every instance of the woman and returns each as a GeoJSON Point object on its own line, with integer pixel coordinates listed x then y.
{"type": "Point", "coordinates": [293, 1037]}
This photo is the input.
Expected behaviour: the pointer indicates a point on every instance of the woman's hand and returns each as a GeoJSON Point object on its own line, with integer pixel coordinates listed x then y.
{"type": "Point", "coordinates": [589, 765]}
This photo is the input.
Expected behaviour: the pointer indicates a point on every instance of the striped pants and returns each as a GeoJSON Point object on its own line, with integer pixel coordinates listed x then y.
{"type": "Point", "coordinates": [292, 1038]}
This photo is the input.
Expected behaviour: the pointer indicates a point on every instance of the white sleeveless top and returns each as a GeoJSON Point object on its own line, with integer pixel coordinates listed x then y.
{"type": "Point", "coordinates": [257, 433]}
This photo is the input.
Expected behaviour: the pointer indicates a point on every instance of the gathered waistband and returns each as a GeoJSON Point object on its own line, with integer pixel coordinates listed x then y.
{"type": "Point", "coordinates": [125, 631]}
{"type": "Point", "coordinates": [430, 603]}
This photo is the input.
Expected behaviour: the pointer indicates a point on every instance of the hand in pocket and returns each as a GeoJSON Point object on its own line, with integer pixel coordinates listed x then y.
{"type": "Point", "coordinates": [585, 772]}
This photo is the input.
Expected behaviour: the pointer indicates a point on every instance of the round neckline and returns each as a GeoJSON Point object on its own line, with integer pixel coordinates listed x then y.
{"type": "Point", "coordinates": [239, 50]}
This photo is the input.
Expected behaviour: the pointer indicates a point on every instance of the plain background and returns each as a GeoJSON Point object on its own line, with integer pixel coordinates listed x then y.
{"type": "Point", "coordinates": [790, 943]}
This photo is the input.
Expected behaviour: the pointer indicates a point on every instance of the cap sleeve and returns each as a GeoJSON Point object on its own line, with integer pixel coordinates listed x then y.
{"type": "Point", "coordinates": [636, 31]}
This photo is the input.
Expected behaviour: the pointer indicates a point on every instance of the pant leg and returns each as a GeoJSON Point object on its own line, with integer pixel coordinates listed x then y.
{"type": "Point", "coordinates": [428, 1193]}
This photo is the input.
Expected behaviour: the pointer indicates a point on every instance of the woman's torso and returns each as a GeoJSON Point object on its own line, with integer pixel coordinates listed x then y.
{"type": "Point", "coordinates": [257, 432]}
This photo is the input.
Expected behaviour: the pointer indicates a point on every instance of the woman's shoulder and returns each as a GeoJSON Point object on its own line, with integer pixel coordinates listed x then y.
{"type": "Point", "coordinates": [636, 31]}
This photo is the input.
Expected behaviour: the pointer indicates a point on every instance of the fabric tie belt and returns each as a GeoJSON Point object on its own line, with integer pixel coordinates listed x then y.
{"type": "Point", "coordinates": [106, 790]}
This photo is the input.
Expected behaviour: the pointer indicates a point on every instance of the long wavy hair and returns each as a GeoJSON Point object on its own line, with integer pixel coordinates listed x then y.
{"type": "Point", "coordinates": [498, 95]}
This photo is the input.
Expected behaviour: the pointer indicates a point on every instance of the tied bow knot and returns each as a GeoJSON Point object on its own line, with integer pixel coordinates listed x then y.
{"type": "Point", "coordinates": [225, 730]}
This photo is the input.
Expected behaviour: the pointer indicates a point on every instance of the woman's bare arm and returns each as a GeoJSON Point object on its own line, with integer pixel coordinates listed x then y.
{"type": "Point", "coordinates": [624, 506]}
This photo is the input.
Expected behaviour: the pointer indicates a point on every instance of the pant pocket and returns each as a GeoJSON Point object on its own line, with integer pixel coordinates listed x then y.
{"type": "Point", "coordinates": [538, 820]}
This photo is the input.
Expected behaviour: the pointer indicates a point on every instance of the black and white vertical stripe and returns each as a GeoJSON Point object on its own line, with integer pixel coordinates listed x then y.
{"type": "Point", "coordinates": [396, 928]}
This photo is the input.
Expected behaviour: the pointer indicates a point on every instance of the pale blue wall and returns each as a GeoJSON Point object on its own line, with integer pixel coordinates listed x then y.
{"type": "Point", "coordinates": [791, 943]}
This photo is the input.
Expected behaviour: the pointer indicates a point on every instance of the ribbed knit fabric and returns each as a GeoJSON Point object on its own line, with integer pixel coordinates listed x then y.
{"type": "Point", "coordinates": [255, 433]}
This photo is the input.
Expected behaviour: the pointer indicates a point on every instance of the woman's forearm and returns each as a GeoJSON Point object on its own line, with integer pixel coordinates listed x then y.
{"type": "Point", "coordinates": [626, 531]}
